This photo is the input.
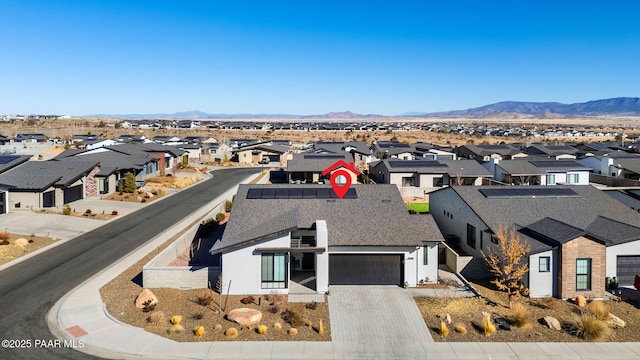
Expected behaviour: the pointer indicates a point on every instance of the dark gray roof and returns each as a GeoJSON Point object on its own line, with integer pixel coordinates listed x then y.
{"type": "Point", "coordinates": [485, 150]}
{"type": "Point", "coordinates": [341, 146]}
{"type": "Point", "coordinates": [577, 211]}
{"type": "Point", "coordinates": [376, 217]}
{"type": "Point", "coordinates": [8, 162]}
{"type": "Point", "coordinates": [536, 167]}
{"type": "Point", "coordinates": [551, 150]}
{"type": "Point", "coordinates": [613, 231]}
{"type": "Point", "coordinates": [309, 162]}
{"type": "Point", "coordinates": [553, 230]}
{"type": "Point", "coordinates": [632, 164]}
{"type": "Point", "coordinates": [392, 147]}
{"type": "Point", "coordinates": [465, 168]}
{"type": "Point", "coordinates": [40, 175]}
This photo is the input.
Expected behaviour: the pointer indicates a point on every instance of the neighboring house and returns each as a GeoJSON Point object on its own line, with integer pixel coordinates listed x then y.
{"type": "Point", "coordinates": [626, 195]}
{"type": "Point", "coordinates": [308, 167]}
{"type": "Point", "coordinates": [193, 151]}
{"type": "Point", "coordinates": [359, 149]}
{"type": "Point", "coordinates": [539, 172]}
{"type": "Point", "coordinates": [279, 234]}
{"type": "Point", "coordinates": [33, 138]}
{"type": "Point", "coordinates": [261, 153]}
{"type": "Point", "coordinates": [4, 140]}
{"type": "Point", "coordinates": [619, 165]}
{"type": "Point", "coordinates": [486, 152]}
{"type": "Point", "coordinates": [391, 149]}
{"type": "Point", "coordinates": [8, 162]}
{"type": "Point", "coordinates": [427, 175]}
{"type": "Point", "coordinates": [552, 151]}
{"type": "Point", "coordinates": [433, 152]}
{"type": "Point", "coordinates": [45, 184]}
{"type": "Point", "coordinates": [578, 235]}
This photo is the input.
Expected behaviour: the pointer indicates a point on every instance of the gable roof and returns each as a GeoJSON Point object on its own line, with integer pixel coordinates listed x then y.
{"type": "Point", "coordinates": [40, 175]}
{"type": "Point", "coordinates": [466, 168]}
{"type": "Point", "coordinates": [585, 210]}
{"type": "Point", "coordinates": [538, 166]}
{"type": "Point", "coordinates": [8, 162]}
{"type": "Point", "coordinates": [375, 216]}
{"type": "Point", "coordinates": [486, 150]}
{"type": "Point", "coordinates": [309, 162]}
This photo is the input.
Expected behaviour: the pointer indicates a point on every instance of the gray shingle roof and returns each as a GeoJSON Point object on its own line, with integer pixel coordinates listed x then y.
{"type": "Point", "coordinates": [377, 217]}
{"type": "Point", "coordinates": [40, 175]}
{"type": "Point", "coordinates": [451, 167]}
{"type": "Point", "coordinates": [8, 162]}
{"type": "Point", "coordinates": [536, 167]}
{"type": "Point", "coordinates": [580, 211]}
{"type": "Point", "coordinates": [308, 162]}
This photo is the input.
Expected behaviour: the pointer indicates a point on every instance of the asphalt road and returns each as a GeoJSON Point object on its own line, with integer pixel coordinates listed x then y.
{"type": "Point", "coordinates": [30, 288]}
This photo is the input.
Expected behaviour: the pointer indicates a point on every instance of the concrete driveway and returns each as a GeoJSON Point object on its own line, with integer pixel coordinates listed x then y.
{"type": "Point", "coordinates": [379, 318]}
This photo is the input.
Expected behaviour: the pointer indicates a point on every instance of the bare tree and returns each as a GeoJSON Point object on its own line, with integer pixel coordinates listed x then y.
{"type": "Point", "coordinates": [220, 290]}
{"type": "Point", "coordinates": [507, 262]}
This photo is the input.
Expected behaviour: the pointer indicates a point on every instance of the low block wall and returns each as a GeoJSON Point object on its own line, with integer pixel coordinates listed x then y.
{"type": "Point", "coordinates": [157, 273]}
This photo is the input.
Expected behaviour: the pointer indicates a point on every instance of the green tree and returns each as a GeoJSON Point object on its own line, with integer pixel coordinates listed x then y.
{"type": "Point", "coordinates": [129, 183]}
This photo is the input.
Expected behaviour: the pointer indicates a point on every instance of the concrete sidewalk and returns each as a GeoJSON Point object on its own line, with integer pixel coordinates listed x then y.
{"type": "Point", "coordinates": [80, 315]}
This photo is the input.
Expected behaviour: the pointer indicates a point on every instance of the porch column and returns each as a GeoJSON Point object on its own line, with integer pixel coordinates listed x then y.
{"type": "Point", "coordinates": [322, 259]}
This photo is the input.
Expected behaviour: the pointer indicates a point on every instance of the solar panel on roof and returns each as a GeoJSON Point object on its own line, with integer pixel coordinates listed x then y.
{"type": "Point", "coordinates": [254, 194]}
{"type": "Point", "coordinates": [7, 159]}
{"type": "Point", "coordinates": [525, 192]}
{"type": "Point", "coordinates": [297, 193]}
{"type": "Point", "coordinates": [415, 163]}
{"type": "Point", "coordinates": [555, 163]}
{"type": "Point", "coordinates": [393, 145]}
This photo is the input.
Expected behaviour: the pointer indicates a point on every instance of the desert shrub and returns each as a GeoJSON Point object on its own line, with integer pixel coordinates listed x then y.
{"type": "Point", "coordinates": [197, 316]}
{"type": "Point", "coordinates": [66, 210]}
{"type": "Point", "coordinates": [308, 323]}
{"type": "Point", "coordinates": [175, 328]}
{"type": "Point", "coordinates": [4, 242]}
{"type": "Point", "coordinates": [444, 330]}
{"type": "Point", "coordinates": [114, 213]}
{"type": "Point", "coordinates": [129, 183]}
{"type": "Point", "coordinates": [590, 328]}
{"type": "Point", "coordinates": [275, 298]}
{"type": "Point", "coordinates": [156, 318]}
{"type": "Point", "coordinates": [228, 205]}
{"type": "Point", "coordinates": [154, 191]}
{"type": "Point", "coordinates": [4, 235]}
{"type": "Point", "coordinates": [231, 333]}
{"type": "Point", "coordinates": [88, 211]}
{"type": "Point", "coordinates": [148, 306]}
{"type": "Point", "coordinates": [262, 329]}
{"type": "Point", "coordinates": [248, 300]}
{"type": "Point", "coordinates": [311, 306]}
{"type": "Point", "coordinates": [487, 326]}
{"type": "Point", "coordinates": [30, 241]}
{"type": "Point", "coordinates": [277, 326]}
{"type": "Point", "coordinates": [320, 328]}
{"type": "Point", "coordinates": [175, 319]}
{"type": "Point", "coordinates": [520, 316]}
{"type": "Point", "coordinates": [143, 201]}
{"type": "Point", "coordinates": [198, 331]}
{"type": "Point", "coordinates": [598, 309]}
{"type": "Point", "coordinates": [218, 327]}
{"type": "Point", "coordinates": [204, 300]}
{"type": "Point", "coordinates": [273, 309]}
{"type": "Point", "coordinates": [293, 331]}
{"type": "Point", "coordinates": [460, 328]}
{"type": "Point", "coordinates": [220, 217]}
{"type": "Point", "coordinates": [292, 318]}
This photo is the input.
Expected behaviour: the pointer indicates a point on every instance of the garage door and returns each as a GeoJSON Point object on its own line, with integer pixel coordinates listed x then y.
{"type": "Point", "coordinates": [49, 199]}
{"type": "Point", "coordinates": [72, 194]}
{"type": "Point", "coordinates": [627, 268]}
{"type": "Point", "coordinates": [369, 269]}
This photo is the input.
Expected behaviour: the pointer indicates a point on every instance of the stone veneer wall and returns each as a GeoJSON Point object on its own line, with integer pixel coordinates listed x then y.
{"type": "Point", "coordinates": [91, 183]}
{"type": "Point", "coordinates": [579, 248]}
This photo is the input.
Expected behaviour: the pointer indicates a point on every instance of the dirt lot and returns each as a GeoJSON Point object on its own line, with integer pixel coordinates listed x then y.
{"type": "Point", "coordinates": [467, 312]}
{"type": "Point", "coordinates": [10, 251]}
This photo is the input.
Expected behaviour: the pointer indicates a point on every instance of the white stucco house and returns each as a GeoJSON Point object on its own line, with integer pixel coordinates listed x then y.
{"type": "Point", "coordinates": [578, 235]}
{"type": "Point", "coordinates": [278, 234]}
{"type": "Point", "coordinates": [539, 172]}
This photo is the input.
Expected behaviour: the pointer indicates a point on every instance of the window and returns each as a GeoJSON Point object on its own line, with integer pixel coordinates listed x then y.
{"type": "Point", "coordinates": [408, 181]}
{"type": "Point", "coordinates": [544, 265]}
{"type": "Point", "coordinates": [471, 235]}
{"type": "Point", "coordinates": [583, 274]}
{"type": "Point", "coordinates": [274, 271]}
{"type": "Point", "coordinates": [437, 182]}
{"type": "Point", "coordinates": [572, 178]}
{"type": "Point", "coordinates": [494, 239]}
{"type": "Point", "coordinates": [551, 179]}
{"type": "Point", "coordinates": [425, 255]}
{"type": "Point", "coordinates": [468, 181]}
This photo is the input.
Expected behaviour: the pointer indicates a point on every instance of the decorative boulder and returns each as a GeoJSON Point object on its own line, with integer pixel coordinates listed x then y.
{"type": "Point", "coordinates": [22, 242]}
{"type": "Point", "coordinates": [445, 317]}
{"type": "Point", "coordinates": [245, 316]}
{"type": "Point", "coordinates": [581, 301]}
{"type": "Point", "coordinates": [552, 322]}
{"type": "Point", "coordinates": [617, 322]}
{"type": "Point", "coordinates": [144, 296]}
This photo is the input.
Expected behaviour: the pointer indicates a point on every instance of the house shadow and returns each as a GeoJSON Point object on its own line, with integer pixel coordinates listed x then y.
{"type": "Point", "coordinates": [631, 295]}
{"type": "Point", "coordinates": [137, 279]}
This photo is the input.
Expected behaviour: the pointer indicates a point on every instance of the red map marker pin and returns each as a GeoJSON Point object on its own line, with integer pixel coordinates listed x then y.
{"type": "Point", "coordinates": [340, 182]}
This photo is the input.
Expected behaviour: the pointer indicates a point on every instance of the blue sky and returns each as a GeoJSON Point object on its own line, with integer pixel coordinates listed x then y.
{"type": "Point", "coordinates": [311, 57]}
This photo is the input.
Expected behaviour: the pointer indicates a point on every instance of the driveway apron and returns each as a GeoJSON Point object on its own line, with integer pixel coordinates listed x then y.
{"type": "Point", "coordinates": [376, 315]}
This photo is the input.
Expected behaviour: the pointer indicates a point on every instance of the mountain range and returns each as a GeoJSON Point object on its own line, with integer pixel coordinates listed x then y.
{"type": "Point", "coordinates": [621, 106]}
